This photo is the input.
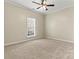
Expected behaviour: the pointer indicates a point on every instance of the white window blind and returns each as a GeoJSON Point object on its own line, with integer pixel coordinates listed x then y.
{"type": "Point", "coordinates": [31, 23]}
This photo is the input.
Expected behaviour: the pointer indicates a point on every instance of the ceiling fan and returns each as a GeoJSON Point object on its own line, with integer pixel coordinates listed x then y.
{"type": "Point", "coordinates": [43, 4]}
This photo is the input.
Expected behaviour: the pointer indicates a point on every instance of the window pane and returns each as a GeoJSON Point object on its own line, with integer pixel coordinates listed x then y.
{"type": "Point", "coordinates": [30, 27]}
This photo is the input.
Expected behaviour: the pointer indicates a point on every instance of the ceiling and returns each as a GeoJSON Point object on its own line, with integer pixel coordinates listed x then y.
{"type": "Point", "coordinates": [59, 5]}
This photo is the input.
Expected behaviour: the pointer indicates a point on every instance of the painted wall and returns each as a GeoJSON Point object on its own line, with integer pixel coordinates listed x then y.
{"type": "Point", "coordinates": [60, 25]}
{"type": "Point", "coordinates": [57, 25]}
{"type": "Point", "coordinates": [15, 23]}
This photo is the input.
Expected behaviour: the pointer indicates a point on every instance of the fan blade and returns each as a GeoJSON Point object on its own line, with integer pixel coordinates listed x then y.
{"type": "Point", "coordinates": [46, 9]}
{"type": "Point", "coordinates": [36, 3]}
{"type": "Point", "coordinates": [42, 1]}
{"type": "Point", "coordinates": [39, 7]}
{"type": "Point", "coordinates": [51, 5]}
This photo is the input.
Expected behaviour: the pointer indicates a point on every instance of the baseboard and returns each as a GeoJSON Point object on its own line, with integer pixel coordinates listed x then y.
{"type": "Point", "coordinates": [14, 43]}
{"type": "Point", "coordinates": [19, 42]}
{"type": "Point", "coordinates": [47, 37]}
{"type": "Point", "coordinates": [60, 39]}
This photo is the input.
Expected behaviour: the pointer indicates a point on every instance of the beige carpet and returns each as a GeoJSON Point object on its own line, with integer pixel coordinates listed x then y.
{"type": "Point", "coordinates": [40, 49]}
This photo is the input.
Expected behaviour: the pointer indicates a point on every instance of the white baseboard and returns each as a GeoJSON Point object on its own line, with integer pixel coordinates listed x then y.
{"type": "Point", "coordinates": [47, 37]}
{"type": "Point", "coordinates": [13, 43]}
{"type": "Point", "coordinates": [61, 39]}
{"type": "Point", "coordinates": [22, 41]}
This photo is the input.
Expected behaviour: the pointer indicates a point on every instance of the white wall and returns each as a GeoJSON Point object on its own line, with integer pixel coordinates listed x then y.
{"type": "Point", "coordinates": [15, 23]}
{"type": "Point", "coordinates": [56, 25]}
{"type": "Point", "coordinates": [60, 25]}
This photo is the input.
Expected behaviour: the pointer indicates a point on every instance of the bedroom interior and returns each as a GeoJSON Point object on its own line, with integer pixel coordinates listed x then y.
{"type": "Point", "coordinates": [39, 29]}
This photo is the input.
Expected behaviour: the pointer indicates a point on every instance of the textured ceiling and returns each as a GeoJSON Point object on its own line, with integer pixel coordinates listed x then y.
{"type": "Point", "coordinates": [59, 5]}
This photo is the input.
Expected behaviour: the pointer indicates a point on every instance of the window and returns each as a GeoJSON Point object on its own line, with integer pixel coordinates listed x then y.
{"type": "Point", "coordinates": [31, 27]}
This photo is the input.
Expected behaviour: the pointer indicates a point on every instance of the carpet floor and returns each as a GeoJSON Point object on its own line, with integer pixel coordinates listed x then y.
{"type": "Point", "coordinates": [41, 49]}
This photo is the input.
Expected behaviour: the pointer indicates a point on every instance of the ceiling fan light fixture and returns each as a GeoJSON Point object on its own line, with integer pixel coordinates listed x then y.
{"type": "Point", "coordinates": [44, 7]}
{"type": "Point", "coordinates": [44, 4]}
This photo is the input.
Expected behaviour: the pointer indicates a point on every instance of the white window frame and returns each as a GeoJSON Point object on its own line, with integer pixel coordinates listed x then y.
{"type": "Point", "coordinates": [29, 36]}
